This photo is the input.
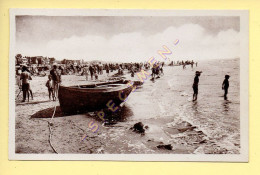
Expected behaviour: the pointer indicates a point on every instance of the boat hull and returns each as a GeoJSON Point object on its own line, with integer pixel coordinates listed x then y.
{"type": "Point", "coordinates": [80, 99]}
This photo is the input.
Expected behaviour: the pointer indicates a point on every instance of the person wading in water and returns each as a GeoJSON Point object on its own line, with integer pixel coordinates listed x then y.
{"type": "Point", "coordinates": [225, 86]}
{"type": "Point", "coordinates": [195, 85]}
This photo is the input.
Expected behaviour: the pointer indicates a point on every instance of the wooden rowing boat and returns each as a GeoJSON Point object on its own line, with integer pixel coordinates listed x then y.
{"type": "Point", "coordinates": [86, 98]}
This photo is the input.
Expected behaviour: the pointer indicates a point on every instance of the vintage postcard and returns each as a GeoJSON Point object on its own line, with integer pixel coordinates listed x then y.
{"type": "Point", "coordinates": [131, 85]}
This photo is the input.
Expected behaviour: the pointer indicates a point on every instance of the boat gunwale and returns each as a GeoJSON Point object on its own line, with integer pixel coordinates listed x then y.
{"type": "Point", "coordinates": [112, 89]}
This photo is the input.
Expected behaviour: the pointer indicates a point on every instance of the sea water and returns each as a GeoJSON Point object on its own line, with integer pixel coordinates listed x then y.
{"type": "Point", "coordinates": [166, 103]}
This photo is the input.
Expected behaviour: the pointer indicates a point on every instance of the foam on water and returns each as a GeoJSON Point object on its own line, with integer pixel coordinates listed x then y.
{"type": "Point", "coordinates": [217, 118]}
{"type": "Point", "coordinates": [167, 103]}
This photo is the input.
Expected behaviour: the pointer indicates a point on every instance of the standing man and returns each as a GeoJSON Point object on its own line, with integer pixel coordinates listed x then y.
{"type": "Point", "coordinates": [25, 78]}
{"type": "Point", "coordinates": [195, 85]}
{"type": "Point", "coordinates": [56, 80]}
{"type": "Point", "coordinates": [225, 86]}
{"type": "Point", "coordinates": [91, 70]}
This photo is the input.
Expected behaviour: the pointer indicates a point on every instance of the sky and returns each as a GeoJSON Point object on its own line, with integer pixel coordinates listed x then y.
{"type": "Point", "coordinates": [127, 39]}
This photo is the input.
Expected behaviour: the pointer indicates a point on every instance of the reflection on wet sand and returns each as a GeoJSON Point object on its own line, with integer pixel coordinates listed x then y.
{"type": "Point", "coordinates": [195, 107]}
{"type": "Point", "coordinates": [165, 108]}
{"type": "Point", "coordinates": [122, 115]}
{"type": "Point", "coordinates": [226, 107]}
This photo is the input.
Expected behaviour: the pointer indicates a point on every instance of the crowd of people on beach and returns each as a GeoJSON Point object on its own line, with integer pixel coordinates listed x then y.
{"type": "Point", "coordinates": [23, 78]}
{"type": "Point", "coordinates": [93, 70]}
{"type": "Point", "coordinates": [183, 63]}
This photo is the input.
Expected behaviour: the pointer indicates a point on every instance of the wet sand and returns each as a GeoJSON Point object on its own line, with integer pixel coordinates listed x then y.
{"type": "Point", "coordinates": [208, 126]}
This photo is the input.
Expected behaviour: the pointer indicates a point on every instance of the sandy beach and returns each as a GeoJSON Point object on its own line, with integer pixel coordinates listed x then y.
{"type": "Point", "coordinates": [210, 125]}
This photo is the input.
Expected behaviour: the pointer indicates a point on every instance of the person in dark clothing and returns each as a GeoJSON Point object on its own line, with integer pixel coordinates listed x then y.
{"type": "Point", "coordinates": [107, 69]}
{"type": "Point", "coordinates": [195, 85]}
{"type": "Point", "coordinates": [225, 86]}
{"type": "Point", "coordinates": [91, 70]}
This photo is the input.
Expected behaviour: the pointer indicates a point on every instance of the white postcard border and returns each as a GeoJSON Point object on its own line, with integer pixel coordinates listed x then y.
{"type": "Point", "coordinates": [244, 77]}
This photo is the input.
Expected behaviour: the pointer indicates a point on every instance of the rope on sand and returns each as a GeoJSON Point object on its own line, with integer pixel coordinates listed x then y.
{"type": "Point", "coordinates": [50, 138]}
{"type": "Point", "coordinates": [51, 124]}
{"type": "Point", "coordinates": [55, 106]}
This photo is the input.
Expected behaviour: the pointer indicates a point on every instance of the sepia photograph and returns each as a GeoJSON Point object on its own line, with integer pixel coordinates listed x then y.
{"type": "Point", "coordinates": [131, 85]}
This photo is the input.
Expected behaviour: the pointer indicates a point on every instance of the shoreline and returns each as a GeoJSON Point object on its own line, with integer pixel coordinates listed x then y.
{"type": "Point", "coordinates": [165, 120]}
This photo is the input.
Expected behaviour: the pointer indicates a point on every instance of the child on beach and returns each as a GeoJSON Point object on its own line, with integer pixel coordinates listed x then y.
{"type": "Point", "coordinates": [49, 85]}
{"type": "Point", "coordinates": [225, 86]}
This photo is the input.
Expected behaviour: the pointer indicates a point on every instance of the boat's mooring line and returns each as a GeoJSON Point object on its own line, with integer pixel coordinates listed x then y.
{"type": "Point", "coordinates": [51, 124]}
{"type": "Point", "coordinates": [50, 138]}
{"type": "Point", "coordinates": [55, 105]}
